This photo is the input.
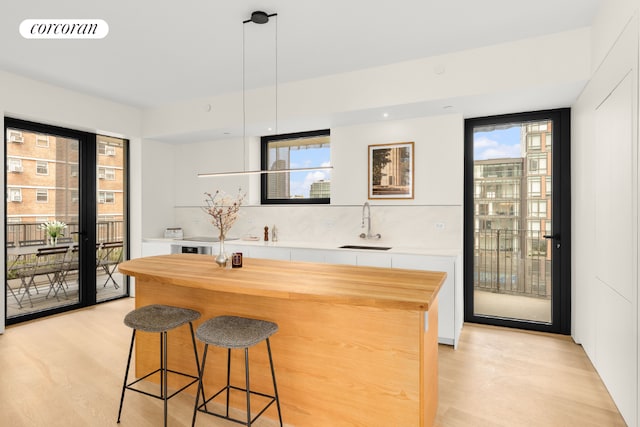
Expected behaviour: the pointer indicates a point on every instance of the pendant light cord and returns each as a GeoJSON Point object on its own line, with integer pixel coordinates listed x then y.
{"type": "Point", "coordinates": [244, 102]}
{"type": "Point", "coordinates": [244, 88]}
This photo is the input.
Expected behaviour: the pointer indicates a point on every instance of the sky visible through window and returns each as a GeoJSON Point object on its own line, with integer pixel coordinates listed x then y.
{"type": "Point", "coordinates": [497, 144]}
{"type": "Point", "coordinates": [300, 182]}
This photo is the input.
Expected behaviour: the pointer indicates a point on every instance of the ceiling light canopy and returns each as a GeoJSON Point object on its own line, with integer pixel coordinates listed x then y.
{"type": "Point", "coordinates": [259, 17]}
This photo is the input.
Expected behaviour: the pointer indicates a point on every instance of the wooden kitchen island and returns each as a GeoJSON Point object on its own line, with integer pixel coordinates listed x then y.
{"type": "Point", "coordinates": [357, 346]}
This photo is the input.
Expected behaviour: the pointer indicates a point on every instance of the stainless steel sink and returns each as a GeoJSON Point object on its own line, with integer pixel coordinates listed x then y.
{"type": "Point", "coordinates": [373, 248]}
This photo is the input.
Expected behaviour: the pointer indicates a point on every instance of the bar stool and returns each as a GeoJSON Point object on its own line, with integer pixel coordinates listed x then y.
{"type": "Point", "coordinates": [159, 318]}
{"type": "Point", "coordinates": [240, 333]}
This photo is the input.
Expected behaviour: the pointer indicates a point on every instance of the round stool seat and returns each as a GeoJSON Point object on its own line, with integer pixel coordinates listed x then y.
{"type": "Point", "coordinates": [235, 332]}
{"type": "Point", "coordinates": [159, 318]}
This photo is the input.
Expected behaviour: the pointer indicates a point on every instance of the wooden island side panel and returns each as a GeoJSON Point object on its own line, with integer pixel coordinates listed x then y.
{"type": "Point", "coordinates": [336, 363]}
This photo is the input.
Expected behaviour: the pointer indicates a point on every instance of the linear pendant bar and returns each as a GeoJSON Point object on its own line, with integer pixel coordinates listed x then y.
{"type": "Point", "coordinates": [259, 172]}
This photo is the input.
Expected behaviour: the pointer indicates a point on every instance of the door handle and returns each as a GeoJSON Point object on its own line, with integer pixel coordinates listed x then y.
{"type": "Point", "coordinates": [555, 237]}
{"type": "Point", "coordinates": [81, 234]}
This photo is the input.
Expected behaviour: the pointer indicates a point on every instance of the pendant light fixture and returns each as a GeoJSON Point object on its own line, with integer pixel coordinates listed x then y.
{"type": "Point", "coordinates": [259, 17]}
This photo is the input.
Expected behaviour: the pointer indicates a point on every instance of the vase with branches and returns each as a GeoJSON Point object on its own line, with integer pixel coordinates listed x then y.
{"type": "Point", "coordinates": [223, 210]}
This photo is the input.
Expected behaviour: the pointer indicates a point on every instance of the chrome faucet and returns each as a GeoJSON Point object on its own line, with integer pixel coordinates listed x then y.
{"type": "Point", "coordinates": [368, 235]}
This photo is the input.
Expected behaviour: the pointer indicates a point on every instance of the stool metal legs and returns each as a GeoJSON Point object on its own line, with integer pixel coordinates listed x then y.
{"type": "Point", "coordinates": [163, 378]}
{"type": "Point", "coordinates": [164, 370]}
{"type": "Point", "coordinates": [200, 388]}
{"type": "Point", "coordinates": [228, 387]}
{"type": "Point", "coordinates": [126, 374]}
{"type": "Point", "coordinates": [273, 376]}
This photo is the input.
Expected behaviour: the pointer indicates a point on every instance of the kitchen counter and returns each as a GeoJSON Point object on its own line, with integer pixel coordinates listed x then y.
{"type": "Point", "coordinates": [318, 245]}
{"type": "Point", "coordinates": [356, 345]}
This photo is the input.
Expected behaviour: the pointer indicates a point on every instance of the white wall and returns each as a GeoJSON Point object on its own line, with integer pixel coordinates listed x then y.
{"type": "Point", "coordinates": [158, 181]}
{"type": "Point", "coordinates": [198, 133]}
{"type": "Point", "coordinates": [438, 188]}
{"type": "Point", "coordinates": [31, 100]}
{"type": "Point", "coordinates": [605, 209]}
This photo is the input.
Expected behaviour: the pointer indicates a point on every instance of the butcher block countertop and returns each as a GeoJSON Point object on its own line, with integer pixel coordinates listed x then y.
{"type": "Point", "coordinates": [331, 283]}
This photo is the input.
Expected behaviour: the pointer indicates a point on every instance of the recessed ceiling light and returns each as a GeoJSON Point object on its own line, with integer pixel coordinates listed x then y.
{"type": "Point", "coordinates": [446, 107]}
{"type": "Point", "coordinates": [385, 115]}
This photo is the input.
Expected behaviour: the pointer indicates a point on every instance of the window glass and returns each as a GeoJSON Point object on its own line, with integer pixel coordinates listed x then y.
{"type": "Point", "coordinates": [534, 186]}
{"type": "Point", "coordinates": [42, 168]}
{"type": "Point", "coordinates": [534, 141]}
{"type": "Point", "coordinates": [15, 136]}
{"type": "Point", "coordinates": [42, 196]}
{"type": "Point", "coordinates": [42, 141]}
{"type": "Point", "coordinates": [14, 195]}
{"type": "Point", "coordinates": [106, 148]}
{"type": "Point", "coordinates": [14, 165]}
{"type": "Point", "coordinates": [107, 173]}
{"type": "Point", "coordinates": [106, 197]}
{"type": "Point", "coordinates": [306, 150]}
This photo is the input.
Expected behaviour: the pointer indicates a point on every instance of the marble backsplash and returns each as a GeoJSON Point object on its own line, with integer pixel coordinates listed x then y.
{"type": "Point", "coordinates": [431, 227]}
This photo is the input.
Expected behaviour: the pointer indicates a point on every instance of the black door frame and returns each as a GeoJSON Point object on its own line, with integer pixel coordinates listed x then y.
{"type": "Point", "coordinates": [561, 211]}
{"type": "Point", "coordinates": [87, 218]}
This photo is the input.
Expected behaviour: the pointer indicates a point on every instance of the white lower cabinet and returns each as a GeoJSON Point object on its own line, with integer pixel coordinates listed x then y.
{"type": "Point", "coordinates": [324, 255]}
{"type": "Point", "coordinates": [156, 248]}
{"type": "Point", "coordinates": [369, 258]}
{"type": "Point", "coordinates": [270, 252]}
{"type": "Point", "coordinates": [450, 298]}
{"type": "Point", "coordinates": [308, 255]}
{"type": "Point", "coordinates": [341, 257]}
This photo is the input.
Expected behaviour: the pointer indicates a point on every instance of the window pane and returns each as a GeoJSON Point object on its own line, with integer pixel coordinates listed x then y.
{"type": "Point", "coordinates": [38, 189]}
{"type": "Point", "coordinates": [110, 212]}
{"type": "Point", "coordinates": [42, 168]}
{"type": "Point", "coordinates": [512, 210]}
{"type": "Point", "coordinates": [534, 186]}
{"type": "Point", "coordinates": [534, 141]}
{"type": "Point", "coordinates": [296, 151]}
{"type": "Point", "coordinates": [42, 196]}
{"type": "Point", "coordinates": [42, 141]}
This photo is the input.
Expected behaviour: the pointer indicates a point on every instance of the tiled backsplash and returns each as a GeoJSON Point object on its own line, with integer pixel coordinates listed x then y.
{"type": "Point", "coordinates": [437, 227]}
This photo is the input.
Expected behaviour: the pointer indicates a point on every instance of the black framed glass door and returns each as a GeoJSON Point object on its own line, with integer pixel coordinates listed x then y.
{"type": "Point", "coordinates": [517, 220]}
{"type": "Point", "coordinates": [65, 228]}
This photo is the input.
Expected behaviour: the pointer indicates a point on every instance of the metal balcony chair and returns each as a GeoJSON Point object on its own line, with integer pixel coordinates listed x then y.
{"type": "Point", "coordinates": [14, 271]}
{"type": "Point", "coordinates": [49, 263]}
{"type": "Point", "coordinates": [109, 255]}
{"type": "Point", "coordinates": [69, 264]}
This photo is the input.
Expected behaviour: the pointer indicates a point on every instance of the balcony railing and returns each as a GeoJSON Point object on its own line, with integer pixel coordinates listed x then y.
{"type": "Point", "coordinates": [23, 234]}
{"type": "Point", "coordinates": [514, 262]}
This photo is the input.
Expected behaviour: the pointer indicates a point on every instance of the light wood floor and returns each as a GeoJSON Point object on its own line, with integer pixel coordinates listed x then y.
{"type": "Point", "coordinates": [505, 377]}
{"type": "Point", "coordinates": [67, 371]}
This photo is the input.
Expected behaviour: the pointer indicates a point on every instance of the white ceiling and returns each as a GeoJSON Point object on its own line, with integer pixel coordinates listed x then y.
{"type": "Point", "coordinates": [159, 52]}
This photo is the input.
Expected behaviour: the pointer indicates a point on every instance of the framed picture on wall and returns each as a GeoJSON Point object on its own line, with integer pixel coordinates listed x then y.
{"type": "Point", "coordinates": [391, 171]}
